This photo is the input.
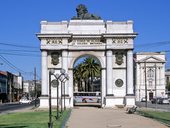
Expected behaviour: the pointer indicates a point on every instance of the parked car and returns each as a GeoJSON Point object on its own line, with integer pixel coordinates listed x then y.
{"type": "Point", "coordinates": [24, 101]}
{"type": "Point", "coordinates": [165, 101]}
{"type": "Point", "coordinates": [143, 99]}
{"type": "Point", "coordinates": [157, 100]}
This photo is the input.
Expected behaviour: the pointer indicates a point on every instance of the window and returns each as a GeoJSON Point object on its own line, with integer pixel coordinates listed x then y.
{"type": "Point", "coordinates": [150, 74]}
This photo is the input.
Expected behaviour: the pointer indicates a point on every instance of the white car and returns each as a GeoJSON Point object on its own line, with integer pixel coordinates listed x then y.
{"type": "Point", "coordinates": [165, 101]}
{"type": "Point", "coordinates": [143, 99]}
{"type": "Point", "coordinates": [24, 101]}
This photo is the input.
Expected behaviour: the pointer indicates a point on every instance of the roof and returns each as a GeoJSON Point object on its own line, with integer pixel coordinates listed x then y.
{"type": "Point", "coordinates": [3, 73]}
{"type": "Point", "coordinates": [150, 53]}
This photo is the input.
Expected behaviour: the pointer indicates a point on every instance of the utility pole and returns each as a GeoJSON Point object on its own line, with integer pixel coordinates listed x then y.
{"type": "Point", "coordinates": [146, 97]}
{"type": "Point", "coordinates": [155, 87]}
{"type": "Point", "coordinates": [35, 86]}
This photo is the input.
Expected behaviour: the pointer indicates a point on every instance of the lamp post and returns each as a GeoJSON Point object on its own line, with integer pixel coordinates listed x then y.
{"type": "Point", "coordinates": [155, 86]}
{"type": "Point", "coordinates": [62, 71]}
{"type": "Point", "coordinates": [146, 97]}
{"type": "Point", "coordinates": [50, 124]}
{"type": "Point", "coordinates": [66, 77]}
{"type": "Point", "coordinates": [58, 77]}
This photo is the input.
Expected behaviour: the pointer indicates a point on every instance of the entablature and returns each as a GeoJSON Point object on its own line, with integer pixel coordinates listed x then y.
{"type": "Point", "coordinates": [87, 41]}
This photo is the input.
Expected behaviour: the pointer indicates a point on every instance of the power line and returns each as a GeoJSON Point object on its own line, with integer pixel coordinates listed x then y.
{"type": "Point", "coordinates": [11, 50]}
{"type": "Point", "coordinates": [16, 68]}
{"type": "Point", "coordinates": [155, 43]}
{"type": "Point", "coordinates": [20, 46]}
{"type": "Point", "coordinates": [11, 65]}
{"type": "Point", "coordinates": [20, 54]}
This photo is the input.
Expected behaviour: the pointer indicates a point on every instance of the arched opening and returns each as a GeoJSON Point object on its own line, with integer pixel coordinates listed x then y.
{"type": "Point", "coordinates": [87, 81]}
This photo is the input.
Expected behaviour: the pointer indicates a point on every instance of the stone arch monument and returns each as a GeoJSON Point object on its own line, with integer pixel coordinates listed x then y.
{"type": "Point", "coordinates": [110, 42]}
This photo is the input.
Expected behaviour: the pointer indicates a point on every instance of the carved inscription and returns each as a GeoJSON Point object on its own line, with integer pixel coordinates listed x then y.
{"type": "Point", "coordinates": [86, 42]}
{"type": "Point", "coordinates": [120, 41]}
{"type": "Point", "coordinates": [54, 41]}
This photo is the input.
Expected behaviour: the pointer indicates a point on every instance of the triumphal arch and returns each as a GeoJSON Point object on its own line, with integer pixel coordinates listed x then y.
{"type": "Point", "coordinates": [110, 42]}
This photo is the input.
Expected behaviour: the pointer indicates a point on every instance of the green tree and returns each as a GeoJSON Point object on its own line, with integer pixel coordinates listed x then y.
{"type": "Point", "coordinates": [86, 71]}
{"type": "Point", "coordinates": [78, 74]}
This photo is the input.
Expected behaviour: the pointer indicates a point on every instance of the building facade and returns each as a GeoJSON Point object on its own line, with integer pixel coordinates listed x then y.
{"type": "Point", "coordinates": [29, 89]}
{"type": "Point", "coordinates": [10, 86]}
{"type": "Point", "coordinates": [150, 75]}
{"type": "Point", "coordinates": [167, 77]}
{"type": "Point", "coordinates": [111, 43]}
{"type": "Point", "coordinates": [3, 86]}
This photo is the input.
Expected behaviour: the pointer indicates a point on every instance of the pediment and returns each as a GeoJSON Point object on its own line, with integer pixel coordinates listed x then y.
{"type": "Point", "coordinates": [151, 59]}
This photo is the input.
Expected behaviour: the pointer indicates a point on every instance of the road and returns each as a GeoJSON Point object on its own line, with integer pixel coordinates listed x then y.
{"type": "Point", "coordinates": [10, 107]}
{"type": "Point", "coordinates": [165, 107]}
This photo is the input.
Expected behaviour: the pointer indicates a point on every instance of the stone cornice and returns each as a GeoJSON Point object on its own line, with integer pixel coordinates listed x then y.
{"type": "Point", "coordinates": [70, 35]}
{"type": "Point", "coordinates": [86, 36]}
{"type": "Point", "coordinates": [45, 35]}
{"type": "Point", "coordinates": [119, 35]}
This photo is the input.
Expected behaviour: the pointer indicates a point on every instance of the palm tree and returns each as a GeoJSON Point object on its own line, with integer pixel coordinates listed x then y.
{"type": "Point", "coordinates": [91, 69]}
{"type": "Point", "coordinates": [78, 74]}
{"type": "Point", "coordinates": [86, 71]}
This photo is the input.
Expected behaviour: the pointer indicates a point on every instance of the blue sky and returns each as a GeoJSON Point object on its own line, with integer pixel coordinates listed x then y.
{"type": "Point", "coordinates": [20, 21]}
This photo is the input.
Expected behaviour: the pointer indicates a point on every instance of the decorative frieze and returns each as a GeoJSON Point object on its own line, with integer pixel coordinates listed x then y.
{"type": "Point", "coordinates": [120, 41]}
{"type": "Point", "coordinates": [83, 41]}
{"type": "Point", "coordinates": [54, 41]}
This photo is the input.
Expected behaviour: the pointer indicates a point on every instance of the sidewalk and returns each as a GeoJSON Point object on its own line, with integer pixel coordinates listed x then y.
{"type": "Point", "coordinates": [90, 117]}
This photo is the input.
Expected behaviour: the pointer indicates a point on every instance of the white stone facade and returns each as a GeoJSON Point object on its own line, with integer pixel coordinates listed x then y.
{"type": "Point", "coordinates": [150, 75]}
{"type": "Point", "coordinates": [109, 42]}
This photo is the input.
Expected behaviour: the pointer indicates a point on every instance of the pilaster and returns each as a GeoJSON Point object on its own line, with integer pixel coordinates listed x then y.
{"type": "Point", "coordinates": [65, 66]}
{"type": "Point", "coordinates": [44, 74]}
{"type": "Point", "coordinates": [130, 86]}
{"type": "Point", "coordinates": [109, 66]}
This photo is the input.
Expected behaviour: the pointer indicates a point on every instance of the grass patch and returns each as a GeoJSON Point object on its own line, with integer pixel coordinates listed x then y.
{"type": "Point", "coordinates": [36, 119]}
{"type": "Point", "coordinates": [161, 116]}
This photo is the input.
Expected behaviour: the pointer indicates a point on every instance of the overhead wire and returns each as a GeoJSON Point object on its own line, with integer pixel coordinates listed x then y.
{"type": "Point", "coordinates": [19, 54]}
{"type": "Point", "coordinates": [20, 46]}
{"type": "Point", "coordinates": [26, 52]}
{"type": "Point", "coordinates": [11, 65]}
{"type": "Point", "coordinates": [16, 68]}
{"type": "Point", "coordinates": [13, 50]}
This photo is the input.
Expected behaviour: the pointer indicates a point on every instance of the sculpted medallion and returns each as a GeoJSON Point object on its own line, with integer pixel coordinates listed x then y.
{"type": "Point", "coordinates": [119, 58]}
{"type": "Point", "coordinates": [55, 58]}
{"type": "Point", "coordinates": [119, 82]}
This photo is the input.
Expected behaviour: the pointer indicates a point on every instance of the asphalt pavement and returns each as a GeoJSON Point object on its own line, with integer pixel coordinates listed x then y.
{"type": "Point", "coordinates": [15, 106]}
{"type": "Point", "coordinates": [160, 107]}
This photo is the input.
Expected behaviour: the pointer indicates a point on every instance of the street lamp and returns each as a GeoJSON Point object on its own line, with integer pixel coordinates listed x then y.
{"type": "Point", "coordinates": [56, 82]}
{"type": "Point", "coordinates": [50, 124]}
{"type": "Point", "coordinates": [66, 77]}
{"type": "Point", "coordinates": [62, 71]}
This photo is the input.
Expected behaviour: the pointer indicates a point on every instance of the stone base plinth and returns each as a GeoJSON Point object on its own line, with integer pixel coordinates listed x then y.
{"type": "Point", "coordinates": [129, 101]}
{"type": "Point", "coordinates": [112, 101]}
{"type": "Point", "coordinates": [44, 102]}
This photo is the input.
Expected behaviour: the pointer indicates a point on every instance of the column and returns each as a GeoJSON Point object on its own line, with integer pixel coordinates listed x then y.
{"type": "Point", "coordinates": [44, 74]}
{"type": "Point", "coordinates": [70, 90]}
{"type": "Point", "coordinates": [103, 84]}
{"type": "Point", "coordinates": [64, 66]}
{"type": "Point", "coordinates": [109, 66]}
{"type": "Point", "coordinates": [130, 90]}
{"type": "Point", "coordinates": [158, 75]}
